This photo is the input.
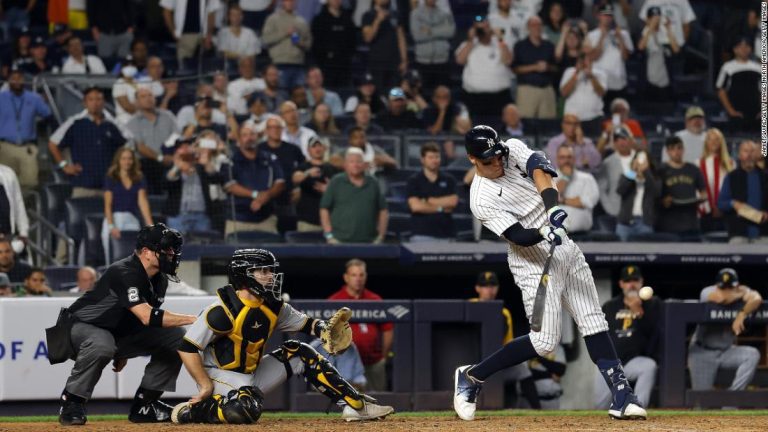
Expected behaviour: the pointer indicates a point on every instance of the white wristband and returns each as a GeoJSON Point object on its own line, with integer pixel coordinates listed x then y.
{"type": "Point", "coordinates": [254, 194]}
{"type": "Point", "coordinates": [63, 163]}
{"type": "Point", "coordinates": [160, 158]}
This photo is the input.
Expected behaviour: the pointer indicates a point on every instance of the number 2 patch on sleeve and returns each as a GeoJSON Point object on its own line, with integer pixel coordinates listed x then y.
{"type": "Point", "coordinates": [133, 294]}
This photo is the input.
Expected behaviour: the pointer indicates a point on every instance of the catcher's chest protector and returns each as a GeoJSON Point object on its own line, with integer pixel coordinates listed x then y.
{"type": "Point", "coordinates": [244, 328]}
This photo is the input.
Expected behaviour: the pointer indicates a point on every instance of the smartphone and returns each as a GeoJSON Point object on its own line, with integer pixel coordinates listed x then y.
{"type": "Point", "coordinates": [616, 120]}
{"type": "Point", "coordinates": [642, 157]}
{"type": "Point", "coordinates": [208, 143]}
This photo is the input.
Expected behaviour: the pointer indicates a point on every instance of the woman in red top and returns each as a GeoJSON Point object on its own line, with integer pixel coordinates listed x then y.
{"type": "Point", "coordinates": [714, 163]}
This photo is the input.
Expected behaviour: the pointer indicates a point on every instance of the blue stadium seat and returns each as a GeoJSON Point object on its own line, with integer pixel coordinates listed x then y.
{"type": "Point", "coordinates": [306, 237]}
{"type": "Point", "coordinates": [254, 237]}
{"type": "Point", "coordinates": [54, 196]}
{"type": "Point", "coordinates": [77, 209]}
{"type": "Point", "coordinates": [399, 225]}
{"type": "Point", "coordinates": [59, 275]}
{"type": "Point", "coordinates": [397, 190]}
{"type": "Point", "coordinates": [398, 205]}
{"type": "Point", "coordinates": [203, 237]}
{"type": "Point", "coordinates": [94, 249]}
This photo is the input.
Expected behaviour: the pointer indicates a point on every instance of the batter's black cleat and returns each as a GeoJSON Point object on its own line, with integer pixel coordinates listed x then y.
{"type": "Point", "coordinates": [465, 391]}
{"type": "Point", "coordinates": [150, 411]}
{"type": "Point", "coordinates": [72, 410]}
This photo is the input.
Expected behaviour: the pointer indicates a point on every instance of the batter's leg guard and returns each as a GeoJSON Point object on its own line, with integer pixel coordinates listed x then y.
{"type": "Point", "coordinates": [624, 404]}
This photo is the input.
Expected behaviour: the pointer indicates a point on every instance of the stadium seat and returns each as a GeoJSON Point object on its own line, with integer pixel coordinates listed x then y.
{"type": "Point", "coordinates": [655, 237]}
{"type": "Point", "coordinates": [306, 237]}
{"type": "Point", "coordinates": [59, 275]}
{"type": "Point", "coordinates": [605, 223]}
{"type": "Point", "coordinates": [77, 209]}
{"type": "Point", "coordinates": [254, 237]}
{"type": "Point", "coordinates": [54, 196]}
{"type": "Point", "coordinates": [156, 203]}
{"type": "Point", "coordinates": [398, 205]}
{"type": "Point", "coordinates": [399, 225]}
{"type": "Point", "coordinates": [397, 190]}
{"type": "Point", "coordinates": [715, 237]}
{"type": "Point", "coordinates": [122, 247]}
{"type": "Point", "coordinates": [94, 249]}
{"type": "Point", "coordinates": [462, 222]}
{"type": "Point", "coordinates": [203, 237]}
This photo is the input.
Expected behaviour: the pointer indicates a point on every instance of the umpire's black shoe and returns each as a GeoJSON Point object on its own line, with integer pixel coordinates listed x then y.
{"type": "Point", "coordinates": [72, 410]}
{"type": "Point", "coordinates": [152, 411]}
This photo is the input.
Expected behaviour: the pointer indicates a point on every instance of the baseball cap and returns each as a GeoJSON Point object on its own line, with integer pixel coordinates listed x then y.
{"type": "Point", "coordinates": [693, 111]}
{"type": "Point", "coordinates": [60, 29]}
{"type": "Point", "coordinates": [316, 140]}
{"type": "Point", "coordinates": [5, 281]}
{"type": "Point", "coordinates": [367, 78]}
{"type": "Point", "coordinates": [621, 132]}
{"type": "Point", "coordinates": [630, 272]}
{"type": "Point", "coordinates": [257, 96]}
{"type": "Point", "coordinates": [37, 42]}
{"type": "Point", "coordinates": [25, 31]}
{"type": "Point", "coordinates": [606, 9]}
{"type": "Point", "coordinates": [653, 11]}
{"type": "Point", "coordinates": [727, 278]}
{"type": "Point", "coordinates": [396, 93]}
{"type": "Point", "coordinates": [487, 279]}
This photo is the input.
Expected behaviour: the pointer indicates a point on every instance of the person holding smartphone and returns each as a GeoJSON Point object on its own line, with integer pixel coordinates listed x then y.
{"type": "Point", "coordinates": [609, 47]}
{"type": "Point", "coordinates": [639, 190]}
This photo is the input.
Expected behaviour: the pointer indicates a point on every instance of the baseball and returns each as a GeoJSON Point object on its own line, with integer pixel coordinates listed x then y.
{"type": "Point", "coordinates": [646, 292]}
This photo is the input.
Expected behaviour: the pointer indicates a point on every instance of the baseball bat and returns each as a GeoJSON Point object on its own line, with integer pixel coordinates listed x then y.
{"type": "Point", "coordinates": [541, 292]}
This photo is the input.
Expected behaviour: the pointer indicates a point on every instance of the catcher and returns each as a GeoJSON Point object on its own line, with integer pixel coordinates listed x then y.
{"type": "Point", "coordinates": [231, 333]}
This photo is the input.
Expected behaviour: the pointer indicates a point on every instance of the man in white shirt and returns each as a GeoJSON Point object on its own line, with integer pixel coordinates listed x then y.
{"type": "Point", "coordinates": [510, 22]}
{"type": "Point", "coordinates": [583, 88]}
{"type": "Point", "coordinates": [80, 63]}
{"type": "Point", "coordinates": [186, 114]}
{"type": "Point", "coordinates": [124, 93]}
{"type": "Point", "coordinates": [188, 28]}
{"type": "Point", "coordinates": [578, 191]}
{"type": "Point", "coordinates": [237, 41]}
{"type": "Point", "coordinates": [677, 12]}
{"type": "Point", "coordinates": [293, 132]}
{"type": "Point", "coordinates": [693, 135]}
{"type": "Point", "coordinates": [609, 46]}
{"type": "Point", "coordinates": [239, 89]}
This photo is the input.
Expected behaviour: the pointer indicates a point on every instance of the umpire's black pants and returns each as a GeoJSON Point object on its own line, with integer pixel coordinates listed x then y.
{"type": "Point", "coordinates": [97, 347]}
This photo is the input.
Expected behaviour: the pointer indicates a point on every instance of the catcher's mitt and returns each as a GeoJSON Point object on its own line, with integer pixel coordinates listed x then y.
{"type": "Point", "coordinates": [337, 335]}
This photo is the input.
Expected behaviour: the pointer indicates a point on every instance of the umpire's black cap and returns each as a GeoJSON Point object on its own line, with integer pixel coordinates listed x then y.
{"type": "Point", "coordinates": [631, 272]}
{"type": "Point", "coordinates": [483, 142]}
{"type": "Point", "coordinates": [727, 278]}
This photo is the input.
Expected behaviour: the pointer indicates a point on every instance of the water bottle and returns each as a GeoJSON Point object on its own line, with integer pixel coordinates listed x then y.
{"type": "Point", "coordinates": [295, 38]}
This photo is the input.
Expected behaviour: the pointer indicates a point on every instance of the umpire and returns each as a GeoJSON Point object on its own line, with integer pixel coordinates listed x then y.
{"type": "Point", "coordinates": [121, 319]}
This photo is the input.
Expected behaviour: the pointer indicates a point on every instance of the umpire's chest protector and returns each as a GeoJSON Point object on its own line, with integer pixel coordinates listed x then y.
{"type": "Point", "coordinates": [243, 328]}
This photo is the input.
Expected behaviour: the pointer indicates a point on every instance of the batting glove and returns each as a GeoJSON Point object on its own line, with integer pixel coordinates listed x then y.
{"type": "Point", "coordinates": [556, 216]}
{"type": "Point", "coordinates": [552, 234]}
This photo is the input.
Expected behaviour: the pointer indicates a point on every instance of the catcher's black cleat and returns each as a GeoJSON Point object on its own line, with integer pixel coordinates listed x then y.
{"type": "Point", "coordinates": [152, 411]}
{"type": "Point", "coordinates": [72, 413]}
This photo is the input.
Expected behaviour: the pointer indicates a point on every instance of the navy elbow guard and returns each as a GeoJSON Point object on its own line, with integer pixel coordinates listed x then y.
{"type": "Point", "coordinates": [156, 317]}
{"type": "Point", "coordinates": [539, 161]}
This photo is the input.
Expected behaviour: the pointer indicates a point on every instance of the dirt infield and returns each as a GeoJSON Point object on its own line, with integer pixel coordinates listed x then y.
{"type": "Point", "coordinates": [572, 423]}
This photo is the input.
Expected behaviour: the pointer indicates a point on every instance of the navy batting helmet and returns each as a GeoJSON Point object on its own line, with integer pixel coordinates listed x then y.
{"type": "Point", "coordinates": [243, 268]}
{"type": "Point", "coordinates": [483, 142]}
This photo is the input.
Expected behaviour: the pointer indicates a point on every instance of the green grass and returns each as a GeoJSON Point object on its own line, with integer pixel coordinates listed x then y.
{"type": "Point", "coordinates": [421, 414]}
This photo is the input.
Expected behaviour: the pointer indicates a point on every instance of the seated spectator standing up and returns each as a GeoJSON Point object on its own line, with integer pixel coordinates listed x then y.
{"type": "Point", "coordinates": [16, 270]}
{"type": "Point", "coordinates": [112, 26]}
{"type": "Point", "coordinates": [255, 178]}
{"type": "Point", "coordinates": [744, 199]}
{"type": "Point", "coordinates": [151, 127]}
{"type": "Point", "coordinates": [676, 17]}
{"type": "Point", "coordinates": [367, 93]}
{"type": "Point", "coordinates": [432, 30]}
{"type": "Point", "coordinates": [737, 85]}
{"type": "Point", "coordinates": [353, 209]}
{"type": "Point", "coordinates": [713, 345]}
{"type": "Point", "coordinates": [362, 120]}
{"type": "Point", "coordinates": [634, 327]}
{"type": "Point", "coordinates": [5, 286]}
{"type": "Point", "coordinates": [682, 187]}
{"type": "Point", "coordinates": [317, 94]}
{"type": "Point", "coordinates": [373, 340]}
{"type": "Point", "coordinates": [578, 191]}
{"type": "Point", "coordinates": [586, 156]}
{"type": "Point", "coordinates": [569, 47]}
{"type": "Point", "coordinates": [292, 130]}
{"type": "Point", "coordinates": [289, 156]}
{"type": "Point", "coordinates": [486, 77]}
{"type": "Point", "coordinates": [236, 41]}
{"type": "Point", "coordinates": [240, 89]}
{"type": "Point", "coordinates": [609, 47]}
{"type": "Point", "coordinates": [613, 168]}
{"type": "Point", "coordinates": [333, 42]}
{"type": "Point", "coordinates": [439, 117]}
{"type": "Point", "coordinates": [374, 157]}
{"type": "Point", "coordinates": [288, 39]}
{"type": "Point", "coordinates": [509, 20]}
{"type": "Point", "coordinates": [80, 63]}
{"type": "Point", "coordinates": [19, 109]}
{"type": "Point", "coordinates": [715, 164]}
{"type": "Point", "coordinates": [661, 46]}
{"type": "Point", "coordinates": [432, 198]}
{"type": "Point", "coordinates": [583, 87]}
{"type": "Point", "coordinates": [205, 109]}
{"type": "Point", "coordinates": [693, 135]}
{"type": "Point", "coordinates": [639, 190]}
{"type": "Point", "coordinates": [534, 65]}
{"type": "Point", "coordinates": [312, 177]}
{"type": "Point", "coordinates": [384, 34]}
{"type": "Point", "coordinates": [511, 124]}
{"type": "Point", "coordinates": [13, 213]}
{"type": "Point", "coordinates": [86, 280]}
{"type": "Point", "coordinates": [190, 23]}
{"type": "Point", "coordinates": [397, 116]}
{"type": "Point", "coordinates": [186, 115]}
{"type": "Point", "coordinates": [619, 116]}
{"type": "Point", "coordinates": [34, 284]}
{"type": "Point", "coordinates": [38, 62]}
{"type": "Point", "coordinates": [124, 92]}
{"type": "Point", "coordinates": [92, 140]}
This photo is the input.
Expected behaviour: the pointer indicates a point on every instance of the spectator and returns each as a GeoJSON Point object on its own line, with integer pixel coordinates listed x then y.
{"type": "Point", "coordinates": [367, 92]}
{"type": "Point", "coordinates": [439, 117]}
{"type": "Point", "coordinates": [112, 24]}
{"type": "Point", "coordinates": [289, 156]}
{"type": "Point", "coordinates": [299, 97]}
{"type": "Point", "coordinates": [678, 14]}
{"type": "Point", "coordinates": [125, 198]}
{"type": "Point", "coordinates": [619, 117]}
{"type": "Point", "coordinates": [34, 284]}
{"type": "Point", "coordinates": [86, 280]}
{"type": "Point", "coordinates": [639, 191]}
{"type": "Point", "coordinates": [13, 213]}
{"type": "Point", "coordinates": [239, 89]}
{"type": "Point", "coordinates": [511, 124]}
{"type": "Point", "coordinates": [383, 33]}
{"type": "Point", "coordinates": [190, 26]}
{"type": "Point", "coordinates": [79, 62]}
{"type": "Point", "coordinates": [190, 205]}
{"type": "Point", "coordinates": [613, 168]}
{"type": "Point", "coordinates": [736, 87]}
{"type": "Point", "coordinates": [57, 47]}
{"type": "Point", "coordinates": [92, 140]}
{"type": "Point", "coordinates": [662, 49]}
{"type": "Point", "coordinates": [16, 15]}
{"type": "Point", "coordinates": [333, 42]}
{"type": "Point", "coordinates": [316, 94]}
{"type": "Point", "coordinates": [608, 47]}
{"type": "Point", "coordinates": [486, 77]}
{"type": "Point", "coordinates": [19, 54]}
{"type": "Point", "coordinates": [255, 12]}
{"type": "Point", "coordinates": [534, 64]}
{"type": "Point", "coordinates": [432, 30]}
{"type": "Point", "coordinates": [257, 106]}
{"type": "Point", "coordinates": [124, 92]}
{"type": "Point", "coordinates": [554, 22]}
{"type": "Point", "coordinates": [682, 186]}
{"type": "Point", "coordinates": [569, 47]}
{"type": "Point", "coordinates": [38, 62]}
{"type": "Point", "coordinates": [743, 199]}
{"type": "Point", "coordinates": [5, 286]}
{"type": "Point", "coordinates": [140, 55]}
{"type": "Point", "coordinates": [397, 116]}
{"type": "Point", "coordinates": [587, 158]}
{"type": "Point", "coordinates": [374, 157]}
{"type": "Point", "coordinates": [322, 121]}
{"type": "Point", "coordinates": [578, 191]}
{"type": "Point", "coordinates": [715, 163]}
{"type": "Point", "coordinates": [353, 209]}
{"type": "Point", "coordinates": [583, 88]}
{"type": "Point", "coordinates": [255, 178]}
{"type": "Point", "coordinates": [18, 129]}
{"type": "Point", "coordinates": [293, 132]}
{"type": "Point", "coordinates": [410, 82]}
{"type": "Point", "coordinates": [509, 21]}
{"type": "Point", "coordinates": [204, 115]}
{"type": "Point", "coordinates": [348, 363]}
{"type": "Point", "coordinates": [220, 85]}
{"type": "Point", "coordinates": [431, 199]}
{"type": "Point", "coordinates": [693, 135]}
{"type": "Point", "coordinates": [236, 41]}
{"type": "Point", "coordinates": [186, 114]}
{"type": "Point", "coordinates": [713, 345]}
{"type": "Point", "coordinates": [16, 270]}
{"type": "Point", "coordinates": [275, 96]}
{"type": "Point", "coordinates": [373, 340]}
{"type": "Point", "coordinates": [312, 178]}
{"type": "Point", "coordinates": [166, 91]}
{"type": "Point", "coordinates": [634, 327]}
{"type": "Point", "coordinates": [288, 39]}
{"type": "Point", "coordinates": [151, 128]}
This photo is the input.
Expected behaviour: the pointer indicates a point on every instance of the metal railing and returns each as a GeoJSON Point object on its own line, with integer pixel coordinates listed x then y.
{"type": "Point", "coordinates": [43, 247]}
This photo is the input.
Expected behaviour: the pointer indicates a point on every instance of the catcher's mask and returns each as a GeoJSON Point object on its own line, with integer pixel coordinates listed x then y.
{"type": "Point", "coordinates": [257, 271]}
{"type": "Point", "coordinates": [166, 244]}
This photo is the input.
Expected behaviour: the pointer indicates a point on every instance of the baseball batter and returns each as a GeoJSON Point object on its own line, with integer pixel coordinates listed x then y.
{"type": "Point", "coordinates": [514, 196]}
